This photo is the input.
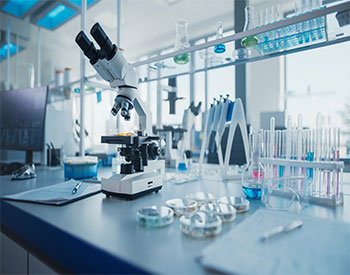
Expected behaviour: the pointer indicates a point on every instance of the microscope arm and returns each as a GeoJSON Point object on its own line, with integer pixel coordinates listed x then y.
{"type": "Point", "coordinates": [145, 115]}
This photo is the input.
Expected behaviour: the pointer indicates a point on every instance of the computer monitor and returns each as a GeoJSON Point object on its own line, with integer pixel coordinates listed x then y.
{"type": "Point", "coordinates": [22, 120]}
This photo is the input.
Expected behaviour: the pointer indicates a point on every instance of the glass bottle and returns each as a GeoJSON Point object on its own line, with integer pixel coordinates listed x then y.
{"type": "Point", "coordinates": [181, 42]}
{"type": "Point", "coordinates": [253, 174]}
{"type": "Point", "coordinates": [250, 41]}
{"type": "Point", "coordinates": [221, 48]}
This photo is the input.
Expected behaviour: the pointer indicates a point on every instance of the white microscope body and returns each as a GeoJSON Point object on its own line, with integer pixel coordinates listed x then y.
{"type": "Point", "coordinates": [174, 155]}
{"type": "Point", "coordinates": [142, 174]}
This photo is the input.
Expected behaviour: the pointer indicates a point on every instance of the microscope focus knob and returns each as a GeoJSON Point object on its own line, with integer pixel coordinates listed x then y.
{"type": "Point", "coordinates": [153, 151]}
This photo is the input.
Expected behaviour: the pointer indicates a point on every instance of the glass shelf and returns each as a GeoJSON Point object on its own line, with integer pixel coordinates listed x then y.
{"type": "Point", "coordinates": [59, 93]}
{"type": "Point", "coordinates": [307, 31]}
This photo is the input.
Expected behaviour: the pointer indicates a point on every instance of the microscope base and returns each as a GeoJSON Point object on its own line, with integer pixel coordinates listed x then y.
{"type": "Point", "coordinates": [132, 186]}
{"type": "Point", "coordinates": [131, 197]}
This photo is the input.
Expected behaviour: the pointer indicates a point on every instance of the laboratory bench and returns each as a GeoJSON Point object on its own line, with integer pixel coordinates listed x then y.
{"type": "Point", "coordinates": [101, 235]}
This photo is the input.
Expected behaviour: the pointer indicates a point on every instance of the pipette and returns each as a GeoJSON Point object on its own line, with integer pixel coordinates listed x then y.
{"type": "Point", "coordinates": [214, 125]}
{"type": "Point", "coordinates": [207, 130]}
{"type": "Point", "coordinates": [221, 128]}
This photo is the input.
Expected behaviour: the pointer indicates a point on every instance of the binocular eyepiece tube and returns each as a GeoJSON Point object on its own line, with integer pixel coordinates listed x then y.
{"type": "Point", "coordinates": [108, 49]}
{"type": "Point", "coordinates": [87, 47]}
{"type": "Point", "coordinates": [103, 41]}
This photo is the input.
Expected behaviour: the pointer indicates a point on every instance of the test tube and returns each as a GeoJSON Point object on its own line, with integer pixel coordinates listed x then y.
{"type": "Point", "coordinates": [283, 153]}
{"type": "Point", "coordinates": [272, 137]}
{"type": "Point", "coordinates": [338, 177]}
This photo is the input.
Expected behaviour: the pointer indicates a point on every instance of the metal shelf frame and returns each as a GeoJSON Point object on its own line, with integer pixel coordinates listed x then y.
{"type": "Point", "coordinates": [238, 36]}
{"type": "Point", "coordinates": [253, 59]}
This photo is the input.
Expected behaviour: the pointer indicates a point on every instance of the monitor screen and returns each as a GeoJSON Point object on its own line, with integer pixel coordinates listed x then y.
{"type": "Point", "coordinates": [22, 121]}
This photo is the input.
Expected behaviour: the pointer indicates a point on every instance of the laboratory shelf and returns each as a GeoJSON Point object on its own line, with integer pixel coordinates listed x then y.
{"type": "Point", "coordinates": [57, 93]}
{"type": "Point", "coordinates": [248, 60]}
{"type": "Point", "coordinates": [163, 66]}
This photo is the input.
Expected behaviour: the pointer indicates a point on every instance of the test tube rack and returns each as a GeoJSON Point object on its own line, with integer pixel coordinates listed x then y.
{"type": "Point", "coordinates": [292, 36]}
{"type": "Point", "coordinates": [326, 180]}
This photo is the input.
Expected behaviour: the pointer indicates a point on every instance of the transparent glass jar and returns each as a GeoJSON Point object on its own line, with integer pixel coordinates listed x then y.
{"type": "Point", "coordinates": [181, 42]}
{"type": "Point", "coordinates": [253, 174]}
{"type": "Point", "coordinates": [250, 41]}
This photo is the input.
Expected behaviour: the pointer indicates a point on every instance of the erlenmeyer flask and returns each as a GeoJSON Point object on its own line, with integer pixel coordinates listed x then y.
{"type": "Point", "coordinates": [250, 41]}
{"type": "Point", "coordinates": [221, 48]}
{"type": "Point", "coordinates": [253, 174]}
{"type": "Point", "coordinates": [181, 42]}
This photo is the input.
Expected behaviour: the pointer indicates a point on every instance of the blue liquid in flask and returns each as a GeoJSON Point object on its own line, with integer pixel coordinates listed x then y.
{"type": "Point", "coordinates": [219, 48]}
{"type": "Point", "coordinates": [252, 193]}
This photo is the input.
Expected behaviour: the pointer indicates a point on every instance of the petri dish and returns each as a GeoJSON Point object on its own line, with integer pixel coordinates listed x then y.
{"type": "Point", "coordinates": [155, 216]}
{"type": "Point", "coordinates": [241, 204]}
{"type": "Point", "coordinates": [201, 197]}
{"type": "Point", "coordinates": [201, 225]}
{"type": "Point", "coordinates": [226, 212]}
{"type": "Point", "coordinates": [182, 206]}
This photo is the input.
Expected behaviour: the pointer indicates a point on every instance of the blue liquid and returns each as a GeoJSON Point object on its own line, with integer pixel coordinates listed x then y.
{"type": "Point", "coordinates": [219, 48]}
{"type": "Point", "coordinates": [252, 193]}
{"type": "Point", "coordinates": [182, 166]}
{"type": "Point", "coordinates": [310, 171]}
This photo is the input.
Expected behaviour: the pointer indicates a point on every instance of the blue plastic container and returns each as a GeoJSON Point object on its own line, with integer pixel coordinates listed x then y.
{"type": "Point", "coordinates": [108, 160]}
{"type": "Point", "coordinates": [80, 168]}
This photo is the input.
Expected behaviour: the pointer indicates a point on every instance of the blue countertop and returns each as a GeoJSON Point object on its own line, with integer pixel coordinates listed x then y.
{"type": "Point", "coordinates": [100, 235]}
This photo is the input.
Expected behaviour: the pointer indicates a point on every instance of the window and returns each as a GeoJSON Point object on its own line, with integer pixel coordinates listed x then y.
{"type": "Point", "coordinates": [319, 82]}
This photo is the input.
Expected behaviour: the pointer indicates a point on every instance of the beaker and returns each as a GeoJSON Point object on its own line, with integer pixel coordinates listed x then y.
{"type": "Point", "coordinates": [181, 42]}
{"type": "Point", "coordinates": [250, 41]}
{"type": "Point", "coordinates": [221, 48]}
{"type": "Point", "coordinates": [254, 172]}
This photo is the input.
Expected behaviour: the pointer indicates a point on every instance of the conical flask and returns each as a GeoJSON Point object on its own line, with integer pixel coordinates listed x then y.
{"type": "Point", "coordinates": [250, 41]}
{"type": "Point", "coordinates": [221, 48]}
{"type": "Point", "coordinates": [181, 42]}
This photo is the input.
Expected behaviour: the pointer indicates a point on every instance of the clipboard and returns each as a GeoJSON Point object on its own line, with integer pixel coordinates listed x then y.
{"type": "Point", "coordinates": [58, 194]}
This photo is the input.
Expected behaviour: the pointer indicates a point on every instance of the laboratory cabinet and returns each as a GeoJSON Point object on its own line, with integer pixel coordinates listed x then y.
{"type": "Point", "coordinates": [16, 260]}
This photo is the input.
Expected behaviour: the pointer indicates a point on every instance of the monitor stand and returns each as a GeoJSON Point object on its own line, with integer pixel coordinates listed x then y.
{"type": "Point", "coordinates": [29, 157]}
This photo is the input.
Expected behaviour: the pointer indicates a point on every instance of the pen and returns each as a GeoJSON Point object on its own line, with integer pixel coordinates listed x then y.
{"type": "Point", "coordinates": [281, 229]}
{"type": "Point", "coordinates": [76, 187]}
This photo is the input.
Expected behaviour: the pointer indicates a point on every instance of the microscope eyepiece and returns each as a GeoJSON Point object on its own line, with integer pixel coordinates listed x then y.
{"type": "Point", "coordinates": [103, 41]}
{"type": "Point", "coordinates": [87, 47]}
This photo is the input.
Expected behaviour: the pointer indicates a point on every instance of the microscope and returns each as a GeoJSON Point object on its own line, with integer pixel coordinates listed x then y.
{"type": "Point", "coordinates": [178, 139]}
{"type": "Point", "coordinates": [138, 175]}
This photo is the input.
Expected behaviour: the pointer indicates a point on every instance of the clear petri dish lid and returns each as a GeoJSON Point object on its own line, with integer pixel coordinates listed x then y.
{"type": "Point", "coordinates": [241, 204]}
{"type": "Point", "coordinates": [182, 206]}
{"type": "Point", "coordinates": [201, 224]}
{"type": "Point", "coordinates": [226, 212]}
{"type": "Point", "coordinates": [155, 216]}
{"type": "Point", "coordinates": [201, 197]}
